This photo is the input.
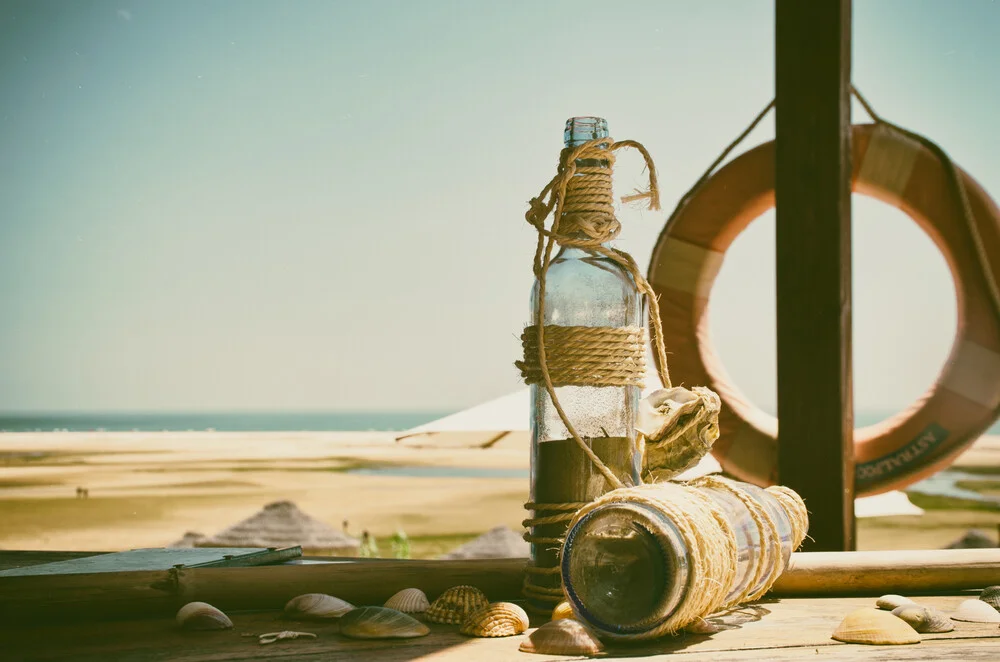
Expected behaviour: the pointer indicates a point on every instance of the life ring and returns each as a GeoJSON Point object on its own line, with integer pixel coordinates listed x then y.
{"type": "Point", "coordinates": [899, 171]}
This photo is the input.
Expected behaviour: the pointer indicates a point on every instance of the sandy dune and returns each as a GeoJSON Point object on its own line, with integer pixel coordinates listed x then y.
{"type": "Point", "coordinates": [147, 489]}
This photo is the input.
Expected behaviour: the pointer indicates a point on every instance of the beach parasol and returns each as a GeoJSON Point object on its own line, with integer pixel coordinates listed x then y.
{"type": "Point", "coordinates": [502, 421]}
{"type": "Point", "coordinates": [282, 524]}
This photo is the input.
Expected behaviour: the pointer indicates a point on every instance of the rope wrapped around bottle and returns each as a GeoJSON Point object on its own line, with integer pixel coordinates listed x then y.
{"type": "Point", "coordinates": [581, 202]}
{"type": "Point", "coordinates": [711, 542]}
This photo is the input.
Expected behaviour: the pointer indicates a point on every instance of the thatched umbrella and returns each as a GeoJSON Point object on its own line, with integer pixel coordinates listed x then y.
{"type": "Point", "coordinates": [498, 543]}
{"type": "Point", "coordinates": [190, 539]}
{"type": "Point", "coordinates": [282, 524]}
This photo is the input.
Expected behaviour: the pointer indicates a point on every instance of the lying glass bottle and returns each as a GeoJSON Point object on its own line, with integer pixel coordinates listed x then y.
{"type": "Point", "coordinates": [632, 563]}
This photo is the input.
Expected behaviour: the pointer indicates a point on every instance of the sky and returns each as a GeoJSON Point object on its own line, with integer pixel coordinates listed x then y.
{"type": "Point", "coordinates": [318, 205]}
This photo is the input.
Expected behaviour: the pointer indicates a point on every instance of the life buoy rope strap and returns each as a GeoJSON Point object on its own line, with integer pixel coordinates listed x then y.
{"type": "Point", "coordinates": [900, 169]}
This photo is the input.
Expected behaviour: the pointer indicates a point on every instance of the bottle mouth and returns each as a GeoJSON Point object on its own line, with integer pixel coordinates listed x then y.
{"type": "Point", "coordinates": [624, 567]}
{"type": "Point", "coordinates": [582, 129]}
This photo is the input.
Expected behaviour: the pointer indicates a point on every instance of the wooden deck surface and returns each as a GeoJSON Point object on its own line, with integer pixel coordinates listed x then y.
{"type": "Point", "coordinates": [786, 629]}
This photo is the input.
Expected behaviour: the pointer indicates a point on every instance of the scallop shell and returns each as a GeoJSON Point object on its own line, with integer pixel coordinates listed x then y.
{"type": "Point", "coordinates": [563, 637]}
{"type": "Point", "coordinates": [202, 616]}
{"type": "Point", "coordinates": [976, 611]}
{"type": "Point", "coordinates": [455, 604]}
{"type": "Point", "coordinates": [380, 623]}
{"type": "Point", "coordinates": [316, 607]}
{"type": "Point", "coordinates": [924, 619]}
{"type": "Point", "coordinates": [499, 619]}
{"type": "Point", "coordinates": [874, 626]}
{"type": "Point", "coordinates": [409, 601]}
{"type": "Point", "coordinates": [991, 596]}
{"type": "Point", "coordinates": [891, 601]}
{"type": "Point", "coordinates": [666, 411]}
{"type": "Point", "coordinates": [562, 610]}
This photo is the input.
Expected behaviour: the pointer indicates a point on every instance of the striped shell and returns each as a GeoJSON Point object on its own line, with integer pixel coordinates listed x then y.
{"type": "Point", "coordinates": [891, 601]}
{"type": "Point", "coordinates": [976, 611]}
{"type": "Point", "coordinates": [563, 637]}
{"type": "Point", "coordinates": [562, 610]}
{"type": "Point", "coordinates": [380, 623]}
{"type": "Point", "coordinates": [874, 626]}
{"type": "Point", "coordinates": [991, 596]}
{"type": "Point", "coordinates": [455, 604]}
{"type": "Point", "coordinates": [316, 607]}
{"type": "Point", "coordinates": [409, 601]}
{"type": "Point", "coordinates": [202, 616]}
{"type": "Point", "coordinates": [924, 619]}
{"type": "Point", "coordinates": [500, 619]}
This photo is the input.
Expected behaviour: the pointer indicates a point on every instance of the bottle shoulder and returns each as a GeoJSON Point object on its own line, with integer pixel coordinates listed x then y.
{"type": "Point", "coordinates": [587, 290]}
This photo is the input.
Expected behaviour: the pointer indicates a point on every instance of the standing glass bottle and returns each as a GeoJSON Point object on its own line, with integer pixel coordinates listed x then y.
{"type": "Point", "coordinates": [583, 289]}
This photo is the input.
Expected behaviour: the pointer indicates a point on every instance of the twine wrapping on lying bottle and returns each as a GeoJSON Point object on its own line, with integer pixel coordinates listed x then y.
{"type": "Point", "coordinates": [711, 542]}
{"type": "Point", "coordinates": [581, 203]}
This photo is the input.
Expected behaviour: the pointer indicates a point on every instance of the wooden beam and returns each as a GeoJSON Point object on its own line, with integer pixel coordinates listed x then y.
{"type": "Point", "coordinates": [813, 228]}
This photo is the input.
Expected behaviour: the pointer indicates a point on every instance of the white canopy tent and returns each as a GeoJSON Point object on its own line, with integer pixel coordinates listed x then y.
{"type": "Point", "coordinates": [503, 423]}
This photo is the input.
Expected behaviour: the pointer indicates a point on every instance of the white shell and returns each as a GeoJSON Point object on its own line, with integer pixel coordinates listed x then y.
{"type": "Point", "coordinates": [202, 616]}
{"type": "Point", "coordinates": [316, 607]}
{"type": "Point", "coordinates": [409, 601]}
{"type": "Point", "coordinates": [976, 611]}
{"type": "Point", "coordinates": [891, 601]}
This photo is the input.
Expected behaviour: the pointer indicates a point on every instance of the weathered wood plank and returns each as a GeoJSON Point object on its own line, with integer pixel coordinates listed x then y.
{"type": "Point", "coordinates": [22, 559]}
{"type": "Point", "coordinates": [813, 255]}
{"type": "Point", "coordinates": [877, 573]}
{"type": "Point", "coordinates": [789, 629]}
{"type": "Point", "coordinates": [146, 593]}
{"type": "Point", "coordinates": [150, 593]}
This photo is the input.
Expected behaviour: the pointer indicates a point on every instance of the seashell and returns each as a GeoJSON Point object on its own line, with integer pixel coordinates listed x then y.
{"type": "Point", "coordinates": [891, 601]}
{"type": "Point", "coordinates": [563, 637]}
{"type": "Point", "coordinates": [991, 596]}
{"type": "Point", "coordinates": [976, 611]}
{"type": "Point", "coordinates": [316, 607]}
{"type": "Point", "coordinates": [562, 610]}
{"type": "Point", "coordinates": [202, 616]}
{"type": "Point", "coordinates": [701, 626]}
{"type": "Point", "coordinates": [409, 601]}
{"type": "Point", "coordinates": [455, 604]}
{"type": "Point", "coordinates": [380, 623]}
{"type": "Point", "coordinates": [924, 619]}
{"type": "Point", "coordinates": [874, 626]}
{"type": "Point", "coordinates": [499, 619]}
{"type": "Point", "coordinates": [679, 427]}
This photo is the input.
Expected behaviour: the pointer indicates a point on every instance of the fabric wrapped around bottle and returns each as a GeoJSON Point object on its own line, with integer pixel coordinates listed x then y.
{"type": "Point", "coordinates": [678, 427]}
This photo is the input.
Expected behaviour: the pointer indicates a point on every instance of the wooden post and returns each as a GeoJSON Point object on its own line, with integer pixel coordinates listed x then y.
{"type": "Point", "coordinates": [813, 228]}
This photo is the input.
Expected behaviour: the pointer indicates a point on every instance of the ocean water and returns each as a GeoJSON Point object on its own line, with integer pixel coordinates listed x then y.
{"type": "Point", "coordinates": [220, 421]}
{"type": "Point", "coordinates": [265, 422]}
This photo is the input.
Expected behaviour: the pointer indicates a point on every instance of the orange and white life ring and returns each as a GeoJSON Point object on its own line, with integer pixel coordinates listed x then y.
{"type": "Point", "coordinates": [897, 170]}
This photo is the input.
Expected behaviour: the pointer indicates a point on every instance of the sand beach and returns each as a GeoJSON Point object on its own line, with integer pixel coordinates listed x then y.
{"type": "Point", "coordinates": [147, 489]}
